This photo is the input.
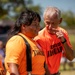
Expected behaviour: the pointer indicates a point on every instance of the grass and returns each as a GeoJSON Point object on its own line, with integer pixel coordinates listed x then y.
{"type": "Point", "coordinates": [72, 37]}
{"type": "Point", "coordinates": [72, 40]}
{"type": "Point", "coordinates": [68, 66]}
{"type": "Point", "coordinates": [72, 72]}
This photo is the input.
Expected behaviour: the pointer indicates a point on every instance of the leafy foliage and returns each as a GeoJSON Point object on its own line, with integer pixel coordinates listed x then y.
{"type": "Point", "coordinates": [69, 19]}
{"type": "Point", "coordinates": [12, 8]}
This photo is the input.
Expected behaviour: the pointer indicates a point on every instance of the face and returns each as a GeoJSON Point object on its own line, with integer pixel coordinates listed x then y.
{"type": "Point", "coordinates": [32, 30]}
{"type": "Point", "coordinates": [52, 22]}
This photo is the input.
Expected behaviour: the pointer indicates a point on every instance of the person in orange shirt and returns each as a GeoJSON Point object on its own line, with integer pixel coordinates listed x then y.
{"type": "Point", "coordinates": [2, 71]}
{"type": "Point", "coordinates": [27, 26]}
{"type": "Point", "coordinates": [54, 40]}
{"type": "Point", "coordinates": [2, 51]}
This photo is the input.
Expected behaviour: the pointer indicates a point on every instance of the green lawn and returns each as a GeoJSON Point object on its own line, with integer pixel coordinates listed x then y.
{"type": "Point", "coordinates": [72, 40]}
{"type": "Point", "coordinates": [72, 72]}
{"type": "Point", "coordinates": [67, 67]}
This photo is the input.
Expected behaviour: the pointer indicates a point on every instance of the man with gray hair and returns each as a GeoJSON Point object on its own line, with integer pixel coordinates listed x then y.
{"type": "Point", "coordinates": [54, 40]}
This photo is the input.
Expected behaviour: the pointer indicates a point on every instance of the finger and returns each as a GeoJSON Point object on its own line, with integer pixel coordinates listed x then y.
{"type": "Point", "coordinates": [58, 34]}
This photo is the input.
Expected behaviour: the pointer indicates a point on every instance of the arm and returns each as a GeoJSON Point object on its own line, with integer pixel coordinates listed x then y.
{"type": "Point", "coordinates": [13, 69]}
{"type": "Point", "coordinates": [68, 50]}
{"type": "Point", "coordinates": [65, 41]}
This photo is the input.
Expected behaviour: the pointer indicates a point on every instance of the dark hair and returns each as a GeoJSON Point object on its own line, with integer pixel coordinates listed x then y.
{"type": "Point", "coordinates": [26, 17]}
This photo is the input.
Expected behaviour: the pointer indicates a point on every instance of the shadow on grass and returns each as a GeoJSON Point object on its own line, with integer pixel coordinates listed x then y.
{"type": "Point", "coordinates": [67, 66]}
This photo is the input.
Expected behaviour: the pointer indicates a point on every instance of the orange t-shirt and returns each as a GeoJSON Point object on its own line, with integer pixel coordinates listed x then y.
{"type": "Point", "coordinates": [1, 65]}
{"type": "Point", "coordinates": [16, 53]}
{"type": "Point", "coordinates": [52, 47]}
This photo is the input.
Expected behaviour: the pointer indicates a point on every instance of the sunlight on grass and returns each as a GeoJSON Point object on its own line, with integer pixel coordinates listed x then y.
{"type": "Point", "coordinates": [72, 40]}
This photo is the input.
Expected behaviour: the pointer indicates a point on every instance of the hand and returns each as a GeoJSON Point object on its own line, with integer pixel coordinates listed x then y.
{"type": "Point", "coordinates": [60, 35]}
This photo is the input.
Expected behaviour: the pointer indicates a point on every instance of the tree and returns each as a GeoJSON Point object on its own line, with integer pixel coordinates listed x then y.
{"type": "Point", "coordinates": [69, 19]}
{"type": "Point", "coordinates": [12, 8]}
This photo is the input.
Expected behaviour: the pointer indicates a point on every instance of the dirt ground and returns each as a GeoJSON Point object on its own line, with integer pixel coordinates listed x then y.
{"type": "Point", "coordinates": [71, 72]}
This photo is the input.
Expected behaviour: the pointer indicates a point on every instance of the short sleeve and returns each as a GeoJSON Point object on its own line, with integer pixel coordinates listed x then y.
{"type": "Point", "coordinates": [68, 40]}
{"type": "Point", "coordinates": [15, 49]}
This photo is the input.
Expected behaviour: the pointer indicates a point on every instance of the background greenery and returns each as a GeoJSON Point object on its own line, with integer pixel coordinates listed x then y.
{"type": "Point", "coordinates": [72, 39]}
{"type": "Point", "coordinates": [10, 9]}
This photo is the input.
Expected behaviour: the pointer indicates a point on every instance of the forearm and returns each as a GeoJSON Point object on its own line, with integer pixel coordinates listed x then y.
{"type": "Point", "coordinates": [68, 51]}
{"type": "Point", "coordinates": [13, 69]}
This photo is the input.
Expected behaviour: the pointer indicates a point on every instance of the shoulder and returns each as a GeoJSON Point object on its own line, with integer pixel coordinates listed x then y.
{"type": "Point", "coordinates": [15, 41]}
{"type": "Point", "coordinates": [42, 32]}
{"type": "Point", "coordinates": [40, 35]}
{"type": "Point", "coordinates": [63, 30]}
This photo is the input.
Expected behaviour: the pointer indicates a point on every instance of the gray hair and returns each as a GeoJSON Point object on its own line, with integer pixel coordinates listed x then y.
{"type": "Point", "coordinates": [51, 11]}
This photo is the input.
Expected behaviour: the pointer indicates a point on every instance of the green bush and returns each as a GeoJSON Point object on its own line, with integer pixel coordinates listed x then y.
{"type": "Point", "coordinates": [72, 40]}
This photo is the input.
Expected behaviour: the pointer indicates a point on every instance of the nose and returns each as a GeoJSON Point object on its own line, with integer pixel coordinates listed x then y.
{"type": "Point", "coordinates": [49, 26]}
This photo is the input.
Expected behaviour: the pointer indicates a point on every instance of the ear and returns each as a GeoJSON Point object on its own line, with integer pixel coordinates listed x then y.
{"type": "Point", "coordinates": [60, 20]}
{"type": "Point", "coordinates": [23, 26]}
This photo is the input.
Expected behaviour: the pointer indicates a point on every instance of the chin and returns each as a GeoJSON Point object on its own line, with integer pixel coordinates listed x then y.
{"type": "Point", "coordinates": [51, 33]}
{"type": "Point", "coordinates": [34, 35]}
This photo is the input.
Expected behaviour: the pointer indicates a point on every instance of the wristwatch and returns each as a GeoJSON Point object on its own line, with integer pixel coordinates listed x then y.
{"type": "Point", "coordinates": [64, 41]}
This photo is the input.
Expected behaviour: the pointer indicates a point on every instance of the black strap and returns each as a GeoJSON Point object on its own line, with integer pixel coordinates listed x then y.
{"type": "Point", "coordinates": [28, 55]}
